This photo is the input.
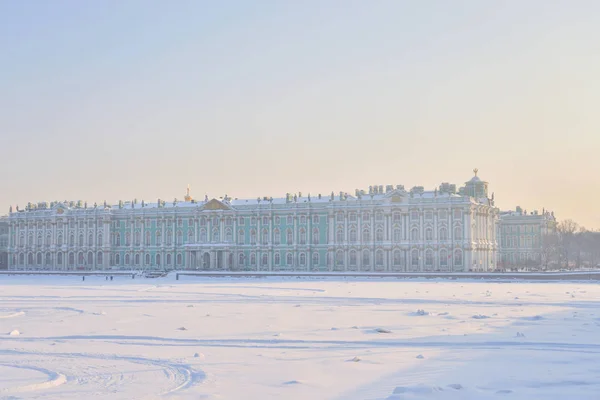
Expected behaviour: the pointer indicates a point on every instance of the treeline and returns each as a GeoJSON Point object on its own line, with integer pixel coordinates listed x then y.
{"type": "Point", "coordinates": [570, 247]}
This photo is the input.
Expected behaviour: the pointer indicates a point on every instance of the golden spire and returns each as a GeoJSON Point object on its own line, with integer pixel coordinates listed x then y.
{"type": "Point", "coordinates": [187, 194]}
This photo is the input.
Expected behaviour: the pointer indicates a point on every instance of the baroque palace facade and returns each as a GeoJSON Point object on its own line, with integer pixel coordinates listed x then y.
{"type": "Point", "coordinates": [376, 230]}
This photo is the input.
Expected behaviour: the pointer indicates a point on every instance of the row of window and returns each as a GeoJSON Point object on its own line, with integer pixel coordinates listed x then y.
{"type": "Point", "coordinates": [59, 240]}
{"type": "Point", "coordinates": [399, 258]}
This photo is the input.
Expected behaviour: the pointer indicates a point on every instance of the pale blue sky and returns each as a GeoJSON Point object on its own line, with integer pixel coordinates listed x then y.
{"type": "Point", "coordinates": [136, 99]}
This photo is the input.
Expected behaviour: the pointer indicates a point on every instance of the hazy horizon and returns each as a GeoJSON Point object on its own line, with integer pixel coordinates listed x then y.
{"type": "Point", "coordinates": [122, 100]}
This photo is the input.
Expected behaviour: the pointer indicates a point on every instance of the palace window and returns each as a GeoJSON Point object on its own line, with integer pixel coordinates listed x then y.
{"type": "Point", "coordinates": [443, 234]}
{"type": "Point", "coordinates": [276, 236]}
{"type": "Point", "coordinates": [303, 219]}
{"type": "Point", "coordinates": [253, 237]}
{"type": "Point", "coordinates": [366, 235]}
{"type": "Point", "coordinates": [352, 217]}
{"type": "Point", "coordinates": [379, 258]}
{"type": "Point", "coordinates": [414, 234]}
{"type": "Point", "coordinates": [265, 259]}
{"type": "Point", "coordinates": [315, 237]}
{"type": "Point", "coordinates": [352, 258]}
{"type": "Point", "coordinates": [428, 234]}
{"type": "Point", "coordinates": [397, 235]}
{"type": "Point", "coordinates": [315, 259]}
{"type": "Point", "coordinates": [240, 238]}
{"type": "Point", "coordinates": [302, 259]}
{"type": "Point", "coordinates": [414, 258]}
{"type": "Point", "coordinates": [458, 257]}
{"type": "Point", "coordinates": [458, 233]}
{"type": "Point", "coordinates": [352, 235]}
{"type": "Point", "coordinates": [443, 258]}
{"type": "Point", "coordinates": [265, 236]}
{"type": "Point", "coordinates": [289, 259]}
{"type": "Point", "coordinates": [340, 235]}
{"type": "Point", "coordinates": [397, 258]}
{"type": "Point", "coordinates": [277, 259]}
{"type": "Point", "coordinates": [228, 235]}
{"type": "Point", "coordinates": [397, 217]}
{"type": "Point", "coordinates": [265, 221]}
{"type": "Point", "coordinates": [315, 219]}
{"type": "Point", "coordinates": [302, 236]}
{"type": "Point", "coordinates": [277, 220]}
{"type": "Point", "coordinates": [366, 258]}
{"type": "Point", "coordinates": [429, 258]}
{"type": "Point", "coordinates": [379, 235]}
{"type": "Point", "coordinates": [290, 220]}
{"type": "Point", "coordinates": [290, 236]}
{"type": "Point", "coordinates": [339, 258]}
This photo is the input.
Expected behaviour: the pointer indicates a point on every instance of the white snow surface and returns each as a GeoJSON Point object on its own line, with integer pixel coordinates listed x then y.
{"type": "Point", "coordinates": [272, 338]}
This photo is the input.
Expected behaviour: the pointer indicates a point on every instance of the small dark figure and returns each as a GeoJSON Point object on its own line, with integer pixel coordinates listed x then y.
{"type": "Point", "coordinates": [111, 278]}
{"type": "Point", "coordinates": [83, 278]}
{"type": "Point", "coordinates": [106, 278]}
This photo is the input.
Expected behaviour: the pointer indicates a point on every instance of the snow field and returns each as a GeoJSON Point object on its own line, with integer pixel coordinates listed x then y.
{"type": "Point", "coordinates": [275, 338]}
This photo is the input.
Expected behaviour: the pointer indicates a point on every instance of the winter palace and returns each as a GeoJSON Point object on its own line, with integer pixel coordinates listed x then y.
{"type": "Point", "coordinates": [382, 229]}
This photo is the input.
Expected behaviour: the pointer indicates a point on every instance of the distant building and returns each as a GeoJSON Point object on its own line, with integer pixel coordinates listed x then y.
{"type": "Point", "coordinates": [521, 237]}
{"type": "Point", "coordinates": [3, 243]}
{"type": "Point", "coordinates": [376, 230]}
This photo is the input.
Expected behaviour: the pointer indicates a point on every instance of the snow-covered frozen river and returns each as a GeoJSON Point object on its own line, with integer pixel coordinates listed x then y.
{"type": "Point", "coordinates": [287, 338]}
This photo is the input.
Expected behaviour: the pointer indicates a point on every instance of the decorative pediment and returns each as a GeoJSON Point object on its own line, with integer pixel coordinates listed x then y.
{"type": "Point", "coordinates": [60, 208]}
{"type": "Point", "coordinates": [396, 196]}
{"type": "Point", "coordinates": [215, 204]}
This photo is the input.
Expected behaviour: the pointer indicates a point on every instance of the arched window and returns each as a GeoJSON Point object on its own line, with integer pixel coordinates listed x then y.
{"type": "Point", "coordinates": [252, 237]}
{"type": "Point", "coordinates": [179, 259]}
{"type": "Point", "coordinates": [276, 236]}
{"type": "Point", "coordinates": [147, 259]}
{"type": "Point", "coordinates": [458, 258]}
{"type": "Point", "coordinates": [379, 258]}
{"type": "Point", "coordinates": [202, 235]}
{"type": "Point", "coordinates": [216, 237]}
{"type": "Point", "coordinates": [118, 239]}
{"type": "Point", "coordinates": [90, 259]}
{"type": "Point", "coordinates": [48, 240]}
{"type": "Point", "coordinates": [340, 235]}
{"type": "Point", "coordinates": [414, 234]}
{"type": "Point", "coordinates": [277, 259]}
{"type": "Point", "coordinates": [253, 259]}
{"type": "Point", "coordinates": [169, 238]}
{"type": "Point", "coordinates": [179, 238]}
{"type": "Point", "coordinates": [158, 260]}
{"type": "Point", "coordinates": [379, 235]}
{"type": "Point", "coordinates": [127, 260]}
{"type": "Point", "coordinates": [289, 259]}
{"type": "Point", "coordinates": [366, 258]}
{"type": "Point", "coordinates": [39, 259]}
{"type": "Point", "coordinates": [228, 235]}
{"type": "Point", "coordinates": [80, 259]}
{"type": "Point", "coordinates": [138, 238]}
{"type": "Point", "coordinates": [158, 238]}
{"type": "Point", "coordinates": [117, 259]}
{"type": "Point", "coordinates": [302, 259]}
{"type": "Point", "coordinates": [265, 259]}
{"type": "Point", "coordinates": [265, 236]}
{"type": "Point", "coordinates": [458, 233]}
{"type": "Point", "coordinates": [443, 234]}
{"type": "Point", "coordinates": [241, 259]}
{"type": "Point", "coordinates": [59, 240]}
{"type": "Point", "coordinates": [339, 258]}
{"type": "Point", "coordinates": [443, 258]}
{"type": "Point", "coordinates": [414, 258]}
{"type": "Point", "coordinates": [397, 235]}
{"type": "Point", "coordinates": [128, 239]}
{"type": "Point", "coordinates": [315, 237]}
{"type": "Point", "coordinates": [137, 259]}
{"type": "Point", "coordinates": [429, 234]}
{"type": "Point", "coordinates": [99, 239]}
{"type": "Point", "coordinates": [80, 240]}
{"type": "Point", "coordinates": [169, 259]}
{"type": "Point", "coordinates": [71, 259]}
{"type": "Point", "coordinates": [315, 259]}
{"type": "Point", "coordinates": [290, 236]}
{"type": "Point", "coordinates": [91, 240]}
{"type": "Point", "coordinates": [352, 258]}
{"type": "Point", "coordinates": [352, 235]}
{"type": "Point", "coordinates": [203, 221]}
{"type": "Point", "coordinates": [429, 258]}
{"type": "Point", "coordinates": [240, 236]}
{"type": "Point", "coordinates": [397, 258]}
{"type": "Point", "coordinates": [40, 240]}
{"type": "Point", "coordinates": [59, 259]}
{"type": "Point", "coordinates": [148, 238]}
{"type": "Point", "coordinates": [72, 240]}
{"type": "Point", "coordinates": [99, 259]}
{"type": "Point", "coordinates": [302, 236]}
{"type": "Point", "coordinates": [366, 235]}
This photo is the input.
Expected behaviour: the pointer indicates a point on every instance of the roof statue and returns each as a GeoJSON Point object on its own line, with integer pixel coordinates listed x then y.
{"type": "Point", "coordinates": [188, 197]}
{"type": "Point", "coordinates": [475, 171]}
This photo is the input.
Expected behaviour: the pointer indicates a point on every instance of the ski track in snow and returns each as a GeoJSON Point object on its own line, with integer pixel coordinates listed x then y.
{"type": "Point", "coordinates": [283, 338]}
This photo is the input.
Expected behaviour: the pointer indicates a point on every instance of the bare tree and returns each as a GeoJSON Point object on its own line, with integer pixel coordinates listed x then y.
{"type": "Point", "coordinates": [550, 250]}
{"type": "Point", "coordinates": [566, 232]}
